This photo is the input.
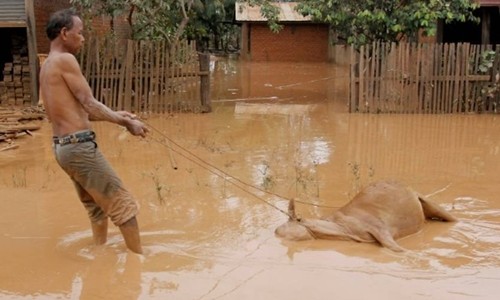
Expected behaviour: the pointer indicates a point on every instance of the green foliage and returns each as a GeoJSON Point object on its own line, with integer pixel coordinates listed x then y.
{"type": "Point", "coordinates": [92, 8]}
{"type": "Point", "coordinates": [166, 19]}
{"type": "Point", "coordinates": [212, 20]}
{"type": "Point", "coordinates": [268, 11]}
{"type": "Point", "coordinates": [486, 61]}
{"type": "Point", "coordinates": [361, 22]}
{"type": "Point", "coordinates": [155, 19]}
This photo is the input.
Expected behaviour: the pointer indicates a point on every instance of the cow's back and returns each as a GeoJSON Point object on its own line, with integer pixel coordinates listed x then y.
{"type": "Point", "coordinates": [388, 204]}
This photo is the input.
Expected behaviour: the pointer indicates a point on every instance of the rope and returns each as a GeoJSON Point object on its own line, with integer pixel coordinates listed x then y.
{"type": "Point", "coordinates": [221, 173]}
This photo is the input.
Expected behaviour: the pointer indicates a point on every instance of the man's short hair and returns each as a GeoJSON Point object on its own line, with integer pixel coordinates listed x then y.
{"type": "Point", "coordinates": [59, 20]}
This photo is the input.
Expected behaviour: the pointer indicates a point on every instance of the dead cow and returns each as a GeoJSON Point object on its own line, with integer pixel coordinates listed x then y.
{"type": "Point", "coordinates": [381, 212]}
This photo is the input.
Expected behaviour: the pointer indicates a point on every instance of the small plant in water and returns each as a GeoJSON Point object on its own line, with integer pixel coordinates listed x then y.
{"type": "Point", "coordinates": [268, 181]}
{"type": "Point", "coordinates": [159, 187]}
{"type": "Point", "coordinates": [306, 181]}
{"type": "Point", "coordinates": [358, 181]}
{"type": "Point", "coordinates": [19, 178]}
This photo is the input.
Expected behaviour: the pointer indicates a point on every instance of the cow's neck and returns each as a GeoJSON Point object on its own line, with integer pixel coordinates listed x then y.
{"type": "Point", "coordinates": [326, 229]}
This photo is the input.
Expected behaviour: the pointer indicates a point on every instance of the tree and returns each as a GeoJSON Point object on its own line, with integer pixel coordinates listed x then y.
{"type": "Point", "coordinates": [167, 20]}
{"type": "Point", "coordinates": [361, 22]}
{"type": "Point", "coordinates": [213, 24]}
{"type": "Point", "coordinates": [149, 19]}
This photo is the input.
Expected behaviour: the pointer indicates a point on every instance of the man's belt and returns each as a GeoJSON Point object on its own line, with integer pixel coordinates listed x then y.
{"type": "Point", "coordinates": [75, 138]}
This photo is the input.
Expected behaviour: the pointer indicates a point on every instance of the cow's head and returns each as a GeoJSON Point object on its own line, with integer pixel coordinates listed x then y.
{"type": "Point", "coordinates": [293, 229]}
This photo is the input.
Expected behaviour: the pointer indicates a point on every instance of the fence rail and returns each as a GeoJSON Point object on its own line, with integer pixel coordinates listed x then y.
{"type": "Point", "coordinates": [424, 78]}
{"type": "Point", "coordinates": [145, 76]}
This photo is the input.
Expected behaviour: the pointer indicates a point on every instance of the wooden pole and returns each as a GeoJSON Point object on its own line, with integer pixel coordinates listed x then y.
{"type": "Point", "coordinates": [205, 82]}
{"type": "Point", "coordinates": [32, 50]}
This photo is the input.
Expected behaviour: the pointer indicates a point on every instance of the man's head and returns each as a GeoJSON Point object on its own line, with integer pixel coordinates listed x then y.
{"type": "Point", "coordinates": [66, 25]}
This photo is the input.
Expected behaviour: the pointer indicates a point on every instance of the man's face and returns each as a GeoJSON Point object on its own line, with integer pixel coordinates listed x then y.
{"type": "Point", "coordinates": [73, 37]}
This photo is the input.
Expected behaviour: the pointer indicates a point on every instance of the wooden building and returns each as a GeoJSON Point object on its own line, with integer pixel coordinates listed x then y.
{"type": "Point", "coordinates": [487, 31]}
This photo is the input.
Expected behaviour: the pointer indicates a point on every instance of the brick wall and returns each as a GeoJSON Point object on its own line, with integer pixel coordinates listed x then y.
{"type": "Point", "coordinates": [43, 10]}
{"type": "Point", "coordinates": [100, 25]}
{"type": "Point", "coordinates": [295, 42]}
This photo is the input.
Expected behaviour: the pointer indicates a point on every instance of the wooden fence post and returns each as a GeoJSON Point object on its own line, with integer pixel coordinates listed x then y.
{"type": "Point", "coordinates": [206, 105]}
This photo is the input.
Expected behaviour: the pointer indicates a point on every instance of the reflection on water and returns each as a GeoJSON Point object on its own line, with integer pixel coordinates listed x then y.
{"type": "Point", "coordinates": [282, 129]}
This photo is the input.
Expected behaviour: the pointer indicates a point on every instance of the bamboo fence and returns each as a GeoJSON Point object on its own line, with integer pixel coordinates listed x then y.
{"type": "Point", "coordinates": [144, 76]}
{"type": "Point", "coordinates": [423, 78]}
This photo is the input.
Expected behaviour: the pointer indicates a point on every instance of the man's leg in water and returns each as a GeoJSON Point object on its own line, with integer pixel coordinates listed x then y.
{"type": "Point", "coordinates": [130, 232]}
{"type": "Point", "coordinates": [100, 231]}
{"type": "Point", "coordinates": [98, 220]}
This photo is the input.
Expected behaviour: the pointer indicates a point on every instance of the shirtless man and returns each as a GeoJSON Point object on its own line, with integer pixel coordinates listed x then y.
{"type": "Point", "coordinates": [70, 107]}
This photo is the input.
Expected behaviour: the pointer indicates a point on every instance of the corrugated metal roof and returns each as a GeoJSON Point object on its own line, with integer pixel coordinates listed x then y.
{"type": "Point", "coordinates": [489, 2]}
{"type": "Point", "coordinates": [12, 13]}
{"type": "Point", "coordinates": [245, 12]}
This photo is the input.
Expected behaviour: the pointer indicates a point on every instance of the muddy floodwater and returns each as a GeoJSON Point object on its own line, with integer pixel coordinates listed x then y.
{"type": "Point", "coordinates": [210, 186]}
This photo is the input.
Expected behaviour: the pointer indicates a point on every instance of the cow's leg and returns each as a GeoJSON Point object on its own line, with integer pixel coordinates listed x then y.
{"type": "Point", "coordinates": [384, 237]}
{"type": "Point", "coordinates": [435, 212]}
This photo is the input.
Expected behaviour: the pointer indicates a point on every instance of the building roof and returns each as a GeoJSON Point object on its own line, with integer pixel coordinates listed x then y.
{"type": "Point", "coordinates": [12, 13]}
{"type": "Point", "coordinates": [489, 2]}
{"type": "Point", "coordinates": [247, 13]}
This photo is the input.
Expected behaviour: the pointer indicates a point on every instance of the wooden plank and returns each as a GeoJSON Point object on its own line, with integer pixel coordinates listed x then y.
{"type": "Point", "coordinates": [451, 71]}
{"type": "Point", "coordinates": [156, 78]}
{"type": "Point", "coordinates": [381, 75]}
{"type": "Point", "coordinates": [140, 78]}
{"type": "Point", "coordinates": [474, 89]}
{"type": "Point", "coordinates": [420, 75]}
{"type": "Point", "coordinates": [17, 128]}
{"type": "Point", "coordinates": [435, 83]}
{"type": "Point", "coordinates": [104, 73]}
{"type": "Point", "coordinates": [115, 69]}
{"type": "Point", "coordinates": [444, 93]}
{"type": "Point", "coordinates": [22, 116]}
{"type": "Point", "coordinates": [362, 100]}
{"type": "Point", "coordinates": [168, 80]}
{"type": "Point", "coordinates": [10, 147]}
{"type": "Point", "coordinates": [125, 86]}
{"type": "Point", "coordinates": [468, 92]}
{"type": "Point", "coordinates": [378, 75]}
{"type": "Point", "coordinates": [407, 96]}
{"type": "Point", "coordinates": [399, 69]}
{"type": "Point", "coordinates": [173, 56]}
{"type": "Point", "coordinates": [370, 84]}
{"type": "Point", "coordinates": [32, 51]}
{"type": "Point", "coordinates": [204, 62]}
{"type": "Point", "coordinates": [353, 81]}
{"type": "Point", "coordinates": [457, 81]}
{"type": "Point", "coordinates": [163, 79]}
{"type": "Point", "coordinates": [409, 80]}
{"type": "Point", "coordinates": [465, 66]}
{"type": "Point", "coordinates": [150, 76]}
{"type": "Point", "coordinates": [98, 77]}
